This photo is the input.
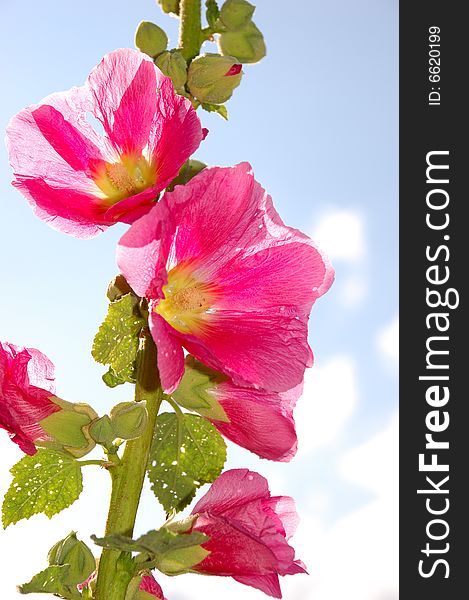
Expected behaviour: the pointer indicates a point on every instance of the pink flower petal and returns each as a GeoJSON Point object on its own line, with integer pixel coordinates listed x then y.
{"type": "Point", "coordinates": [66, 210]}
{"type": "Point", "coordinates": [124, 88]}
{"type": "Point", "coordinates": [151, 586]}
{"type": "Point", "coordinates": [170, 354]}
{"type": "Point", "coordinates": [269, 584]}
{"type": "Point", "coordinates": [254, 415]}
{"type": "Point", "coordinates": [262, 349]}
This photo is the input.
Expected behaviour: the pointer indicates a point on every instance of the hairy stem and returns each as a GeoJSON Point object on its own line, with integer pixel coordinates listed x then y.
{"type": "Point", "coordinates": [115, 568]}
{"type": "Point", "coordinates": [190, 29]}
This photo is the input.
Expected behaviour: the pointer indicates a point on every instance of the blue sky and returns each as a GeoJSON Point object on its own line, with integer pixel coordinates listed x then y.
{"type": "Point", "coordinates": [318, 121]}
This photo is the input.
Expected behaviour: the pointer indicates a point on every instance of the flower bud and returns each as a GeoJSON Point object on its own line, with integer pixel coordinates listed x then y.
{"type": "Point", "coordinates": [169, 6]}
{"type": "Point", "coordinates": [212, 78]}
{"type": "Point", "coordinates": [129, 419]}
{"type": "Point", "coordinates": [150, 39]}
{"type": "Point", "coordinates": [75, 553]}
{"type": "Point", "coordinates": [236, 13]}
{"type": "Point", "coordinates": [69, 428]}
{"type": "Point", "coordinates": [173, 65]}
{"type": "Point", "coordinates": [102, 431]}
{"type": "Point", "coordinates": [247, 44]}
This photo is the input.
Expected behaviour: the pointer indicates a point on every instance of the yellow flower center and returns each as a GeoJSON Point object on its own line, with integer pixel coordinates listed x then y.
{"type": "Point", "coordinates": [187, 301]}
{"type": "Point", "coordinates": [126, 178]}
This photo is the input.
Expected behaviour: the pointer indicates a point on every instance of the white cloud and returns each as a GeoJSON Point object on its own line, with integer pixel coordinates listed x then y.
{"type": "Point", "coordinates": [387, 341]}
{"type": "Point", "coordinates": [352, 291]}
{"type": "Point", "coordinates": [340, 233]}
{"type": "Point", "coordinates": [329, 398]}
{"type": "Point", "coordinates": [357, 557]}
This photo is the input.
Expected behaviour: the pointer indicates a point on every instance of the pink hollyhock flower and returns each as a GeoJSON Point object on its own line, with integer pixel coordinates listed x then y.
{"type": "Point", "coordinates": [226, 280]}
{"type": "Point", "coordinates": [26, 386]}
{"type": "Point", "coordinates": [79, 181]}
{"type": "Point", "coordinates": [246, 416]}
{"type": "Point", "coordinates": [249, 531]}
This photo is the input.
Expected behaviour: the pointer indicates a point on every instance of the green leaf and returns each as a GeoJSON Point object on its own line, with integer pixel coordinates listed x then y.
{"type": "Point", "coordinates": [218, 108]}
{"type": "Point", "coordinates": [212, 13]}
{"type": "Point", "coordinates": [45, 483]}
{"type": "Point", "coordinates": [116, 342]}
{"type": "Point", "coordinates": [51, 581]}
{"type": "Point", "coordinates": [187, 452]}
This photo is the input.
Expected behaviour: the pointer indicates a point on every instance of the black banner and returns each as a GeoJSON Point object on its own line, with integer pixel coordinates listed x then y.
{"type": "Point", "coordinates": [434, 478]}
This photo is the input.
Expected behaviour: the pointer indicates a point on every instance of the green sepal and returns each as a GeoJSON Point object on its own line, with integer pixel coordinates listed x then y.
{"type": "Point", "coordinates": [218, 108]}
{"type": "Point", "coordinates": [116, 342]}
{"type": "Point", "coordinates": [51, 581]}
{"type": "Point", "coordinates": [196, 392]}
{"type": "Point", "coordinates": [189, 169]}
{"type": "Point", "coordinates": [150, 39]}
{"type": "Point", "coordinates": [172, 553]}
{"type": "Point", "coordinates": [173, 64]}
{"type": "Point", "coordinates": [117, 288]}
{"type": "Point", "coordinates": [246, 44]}
{"type": "Point", "coordinates": [212, 12]}
{"type": "Point", "coordinates": [187, 452]}
{"type": "Point", "coordinates": [235, 14]}
{"type": "Point", "coordinates": [45, 483]}
{"type": "Point", "coordinates": [68, 428]}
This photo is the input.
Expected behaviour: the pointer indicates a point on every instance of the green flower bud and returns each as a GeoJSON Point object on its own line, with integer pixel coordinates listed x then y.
{"type": "Point", "coordinates": [150, 39]}
{"type": "Point", "coordinates": [71, 551]}
{"type": "Point", "coordinates": [246, 44]}
{"type": "Point", "coordinates": [102, 431]}
{"type": "Point", "coordinates": [69, 427]}
{"type": "Point", "coordinates": [212, 78]}
{"type": "Point", "coordinates": [169, 6]}
{"type": "Point", "coordinates": [57, 554]}
{"type": "Point", "coordinates": [129, 419]}
{"type": "Point", "coordinates": [118, 288]}
{"type": "Point", "coordinates": [236, 13]}
{"type": "Point", "coordinates": [174, 65]}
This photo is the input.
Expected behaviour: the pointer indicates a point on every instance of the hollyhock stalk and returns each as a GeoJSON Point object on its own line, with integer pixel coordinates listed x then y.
{"type": "Point", "coordinates": [127, 477]}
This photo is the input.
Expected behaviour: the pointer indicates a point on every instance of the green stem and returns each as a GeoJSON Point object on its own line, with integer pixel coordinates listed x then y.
{"type": "Point", "coordinates": [190, 28]}
{"type": "Point", "coordinates": [115, 568]}
{"type": "Point", "coordinates": [84, 463]}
